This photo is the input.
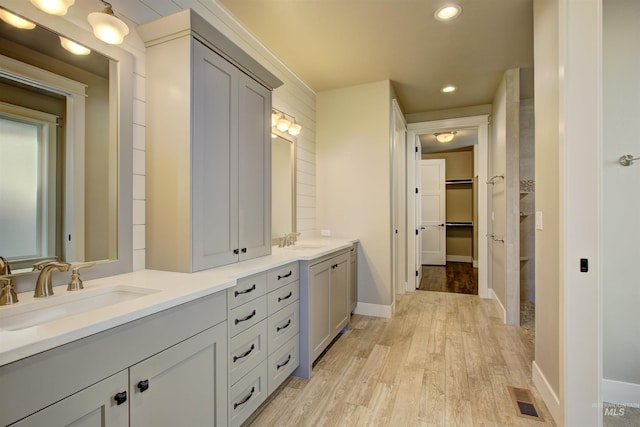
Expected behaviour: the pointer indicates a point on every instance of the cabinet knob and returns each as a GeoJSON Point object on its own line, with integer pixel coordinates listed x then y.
{"type": "Point", "coordinates": [143, 385]}
{"type": "Point", "coordinates": [120, 398]}
{"type": "Point", "coordinates": [236, 251]}
{"type": "Point", "coordinates": [243, 250]}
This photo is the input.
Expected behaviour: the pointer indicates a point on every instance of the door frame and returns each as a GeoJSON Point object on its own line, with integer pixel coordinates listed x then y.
{"type": "Point", "coordinates": [481, 123]}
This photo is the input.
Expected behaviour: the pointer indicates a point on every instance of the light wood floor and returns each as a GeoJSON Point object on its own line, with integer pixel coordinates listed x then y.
{"type": "Point", "coordinates": [444, 359]}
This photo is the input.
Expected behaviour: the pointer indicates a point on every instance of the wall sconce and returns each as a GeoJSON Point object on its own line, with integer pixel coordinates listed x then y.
{"type": "Point", "coordinates": [73, 47]}
{"type": "Point", "coordinates": [53, 7]}
{"type": "Point", "coordinates": [444, 137]}
{"type": "Point", "coordinates": [281, 121]}
{"type": "Point", "coordinates": [106, 26]}
{"type": "Point", "coordinates": [16, 21]}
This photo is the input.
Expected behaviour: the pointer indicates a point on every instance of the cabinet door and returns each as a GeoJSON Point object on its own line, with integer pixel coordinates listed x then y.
{"type": "Point", "coordinates": [339, 293]}
{"type": "Point", "coordinates": [319, 301]}
{"type": "Point", "coordinates": [254, 169]}
{"type": "Point", "coordinates": [94, 406]}
{"type": "Point", "coordinates": [214, 160]}
{"type": "Point", "coordinates": [185, 385]}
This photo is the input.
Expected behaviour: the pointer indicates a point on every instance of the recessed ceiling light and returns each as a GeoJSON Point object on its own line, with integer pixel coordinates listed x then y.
{"type": "Point", "coordinates": [448, 12]}
{"type": "Point", "coordinates": [448, 89]}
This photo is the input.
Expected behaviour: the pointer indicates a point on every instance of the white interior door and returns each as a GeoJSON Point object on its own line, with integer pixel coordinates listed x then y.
{"type": "Point", "coordinates": [433, 205]}
{"type": "Point", "coordinates": [418, 212]}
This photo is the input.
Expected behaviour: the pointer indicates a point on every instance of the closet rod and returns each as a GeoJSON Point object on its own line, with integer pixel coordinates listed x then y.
{"type": "Point", "coordinates": [493, 179]}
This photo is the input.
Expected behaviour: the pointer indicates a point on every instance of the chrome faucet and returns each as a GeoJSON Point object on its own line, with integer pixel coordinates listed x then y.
{"type": "Point", "coordinates": [5, 268]}
{"type": "Point", "coordinates": [44, 285]}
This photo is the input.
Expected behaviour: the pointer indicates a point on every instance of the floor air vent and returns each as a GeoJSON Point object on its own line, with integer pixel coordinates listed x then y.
{"type": "Point", "coordinates": [524, 403]}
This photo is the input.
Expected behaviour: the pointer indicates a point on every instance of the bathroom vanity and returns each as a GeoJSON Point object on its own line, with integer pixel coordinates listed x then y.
{"type": "Point", "coordinates": [214, 344]}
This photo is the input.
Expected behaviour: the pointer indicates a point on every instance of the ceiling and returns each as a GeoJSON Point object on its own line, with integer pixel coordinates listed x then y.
{"type": "Point", "coordinates": [338, 43]}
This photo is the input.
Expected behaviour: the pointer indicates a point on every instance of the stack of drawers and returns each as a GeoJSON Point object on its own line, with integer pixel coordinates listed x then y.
{"type": "Point", "coordinates": [263, 324]}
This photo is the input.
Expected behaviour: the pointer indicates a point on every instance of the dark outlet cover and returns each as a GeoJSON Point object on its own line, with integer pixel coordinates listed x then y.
{"type": "Point", "coordinates": [584, 265]}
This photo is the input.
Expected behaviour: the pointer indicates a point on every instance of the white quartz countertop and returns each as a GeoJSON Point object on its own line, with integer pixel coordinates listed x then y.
{"type": "Point", "coordinates": [154, 291]}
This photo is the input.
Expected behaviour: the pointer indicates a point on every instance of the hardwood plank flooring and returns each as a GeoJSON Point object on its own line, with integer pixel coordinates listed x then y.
{"type": "Point", "coordinates": [444, 359]}
{"type": "Point", "coordinates": [458, 277]}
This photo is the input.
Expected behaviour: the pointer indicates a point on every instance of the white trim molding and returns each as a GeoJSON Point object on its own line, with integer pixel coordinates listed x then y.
{"type": "Point", "coordinates": [621, 393]}
{"type": "Point", "coordinates": [492, 295]}
{"type": "Point", "coordinates": [548, 395]}
{"type": "Point", "coordinates": [375, 310]}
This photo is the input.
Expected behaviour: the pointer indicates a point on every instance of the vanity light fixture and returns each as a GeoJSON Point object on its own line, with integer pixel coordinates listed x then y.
{"type": "Point", "coordinates": [444, 137]}
{"type": "Point", "coordinates": [448, 12]}
{"type": "Point", "coordinates": [73, 47]}
{"type": "Point", "coordinates": [106, 26]}
{"type": "Point", "coordinates": [281, 121]}
{"type": "Point", "coordinates": [16, 21]}
{"type": "Point", "coordinates": [53, 7]}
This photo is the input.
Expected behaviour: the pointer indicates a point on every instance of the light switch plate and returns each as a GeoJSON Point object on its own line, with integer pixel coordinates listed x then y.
{"type": "Point", "coordinates": [538, 220]}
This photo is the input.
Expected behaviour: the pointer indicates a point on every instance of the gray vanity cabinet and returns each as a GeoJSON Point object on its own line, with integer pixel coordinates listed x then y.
{"type": "Point", "coordinates": [208, 151]}
{"type": "Point", "coordinates": [165, 369]}
{"type": "Point", "coordinates": [324, 305]}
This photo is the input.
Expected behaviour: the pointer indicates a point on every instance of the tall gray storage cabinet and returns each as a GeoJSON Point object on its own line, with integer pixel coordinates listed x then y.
{"type": "Point", "coordinates": [208, 150]}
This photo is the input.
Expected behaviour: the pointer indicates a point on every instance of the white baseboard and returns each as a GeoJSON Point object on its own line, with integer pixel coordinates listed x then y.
{"type": "Point", "coordinates": [492, 294]}
{"type": "Point", "coordinates": [459, 258]}
{"type": "Point", "coordinates": [475, 263]}
{"type": "Point", "coordinates": [375, 310]}
{"type": "Point", "coordinates": [548, 395]}
{"type": "Point", "coordinates": [621, 393]}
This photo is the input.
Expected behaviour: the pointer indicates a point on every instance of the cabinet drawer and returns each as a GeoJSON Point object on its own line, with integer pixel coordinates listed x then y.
{"type": "Point", "coordinates": [282, 297]}
{"type": "Point", "coordinates": [243, 317]}
{"type": "Point", "coordinates": [247, 350]}
{"type": "Point", "coordinates": [283, 325]}
{"type": "Point", "coordinates": [283, 362]}
{"type": "Point", "coordinates": [247, 394]}
{"type": "Point", "coordinates": [281, 276]}
{"type": "Point", "coordinates": [247, 289]}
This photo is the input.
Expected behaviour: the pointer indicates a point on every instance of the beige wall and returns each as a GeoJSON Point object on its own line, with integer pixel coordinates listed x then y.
{"type": "Point", "coordinates": [354, 181]}
{"type": "Point", "coordinates": [547, 269]}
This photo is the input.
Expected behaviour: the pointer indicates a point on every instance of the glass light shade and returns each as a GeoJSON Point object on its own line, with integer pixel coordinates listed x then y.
{"type": "Point", "coordinates": [448, 89]}
{"type": "Point", "coordinates": [283, 124]}
{"type": "Point", "coordinates": [16, 21]}
{"type": "Point", "coordinates": [448, 12]}
{"type": "Point", "coordinates": [53, 7]}
{"type": "Point", "coordinates": [294, 129]}
{"type": "Point", "coordinates": [73, 47]}
{"type": "Point", "coordinates": [107, 27]}
{"type": "Point", "coordinates": [445, 137]}
{"type": "Point", "coordinates": [274, 118]}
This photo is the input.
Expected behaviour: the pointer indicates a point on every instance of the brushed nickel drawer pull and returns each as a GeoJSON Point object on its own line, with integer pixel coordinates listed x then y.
{"type": "Point", "coordinates": [246, 399]}
{"type": "Point", "coordinates": [286, 275]}
{"type": "Point", "coordinates": [279, 328]}
{"type": "Point", "coordinates": [284, 298]}
{"type": "Point", "coordinates": [284, 363]}
{"type": "Point", "coordinates": [245, 354]}
{"type": "Point", "coordinates": [246, 291]}
{"type": "Point", "coordinates": [253, 313]}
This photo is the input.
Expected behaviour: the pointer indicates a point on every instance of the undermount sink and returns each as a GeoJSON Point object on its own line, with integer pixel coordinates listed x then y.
{"type": "Point", "coordinates": [304, 246]}
{"type": "Point", "coordinates": [64, 304]}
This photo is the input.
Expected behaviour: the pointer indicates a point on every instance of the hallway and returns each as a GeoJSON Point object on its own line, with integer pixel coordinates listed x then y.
{"type": "Point", "coordinates": [444, 359]}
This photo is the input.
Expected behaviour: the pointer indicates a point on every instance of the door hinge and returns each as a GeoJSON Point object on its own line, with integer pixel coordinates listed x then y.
{"type": "Point", "coordinates": [416, 149]}
{"type": "Point", "coordinates": [417, 273]}
{"type": "Point", "coordinates": [417, 232]}
{"type": "Point", "coordinates": [417, 190]}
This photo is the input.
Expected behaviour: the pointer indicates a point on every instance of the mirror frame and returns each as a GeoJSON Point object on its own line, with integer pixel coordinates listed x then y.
{"type": "Point", "coordinates": [122, 63]}
{"type": "Point", "coordinates": [294, 201]}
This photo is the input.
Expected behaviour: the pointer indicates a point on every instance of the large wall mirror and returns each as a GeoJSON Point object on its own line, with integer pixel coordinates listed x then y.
{"type": "Point", "coordinates": [283, 184]}
{"type": "Point", "coordinates": [66, 147]}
